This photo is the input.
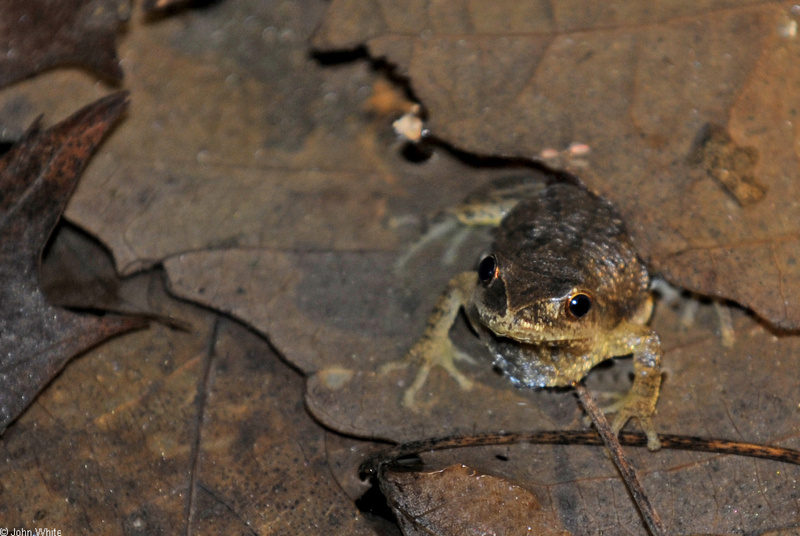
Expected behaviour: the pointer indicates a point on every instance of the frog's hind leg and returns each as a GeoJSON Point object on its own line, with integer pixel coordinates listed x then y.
{"type": "Point", "coordinates": [485, 208]}
{"type": "Point", "coordinates": [435, 348]}
{"type": "Point", "coordinates": [688, 304]}
{"type": "Point", "coordinates": [459, 223]}
{"type": "Point", "coordinates": [726, 332]}
{"type": "Point", "coordinates": [451, 253]}
{"type": "Point", "coordinates": [434, 233]}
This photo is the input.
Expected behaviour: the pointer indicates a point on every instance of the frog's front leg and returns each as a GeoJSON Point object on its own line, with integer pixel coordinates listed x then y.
{"type": "Point", "coordinates": [640, 402]}
{"type": "Point", "coordinates": [435, 348]}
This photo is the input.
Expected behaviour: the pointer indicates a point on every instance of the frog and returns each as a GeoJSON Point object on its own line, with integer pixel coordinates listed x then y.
{"type": "Point", "coordinates": [561, 290]}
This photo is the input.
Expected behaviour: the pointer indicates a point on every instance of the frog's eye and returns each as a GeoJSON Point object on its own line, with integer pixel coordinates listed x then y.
{"type": "Point", "coordinates": [579, 305]}
{"type": "Point", "coordinates": [487, 269]}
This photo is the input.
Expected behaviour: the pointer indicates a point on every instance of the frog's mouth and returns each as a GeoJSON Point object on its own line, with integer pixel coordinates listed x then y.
{"type": "Point", "coordinates": [541, 323]}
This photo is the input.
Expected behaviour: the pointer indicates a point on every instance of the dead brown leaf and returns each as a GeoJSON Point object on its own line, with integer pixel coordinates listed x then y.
{"type": "Point", "coordinates": [242, 140]}
{"type": "Point", "coordinates": [262, 461]}
{"type": "Point", "coordinates": [169, 431]}
{"type": "Point", "coordinates": [348, 313]}
{"type": "Point", "coordinates": [37, 177]}
{"type": "Point", "coordinates": [637, 86]}
{"type": "Point", "coordinates": [423, 503]}
{"type": "Point", "coordinates": [37, 35]}
{"type": "Point", "coordinates": [270, 187]}
{"type": "Point", "coordinates": [107, 447]}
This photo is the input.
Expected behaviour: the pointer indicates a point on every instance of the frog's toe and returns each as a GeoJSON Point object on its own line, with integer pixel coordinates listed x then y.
{"type": "Point", "coordinates": [618, 401]}
{"type": "Point", "coordinates": [450, 366]}
{"type": "Point", "coordinates": [632, 411]}
{"type": "Point", "coordinates": [409, 399]}
{"type": "Point", "coordinates": [726, 332]}
{"type": "Point", "coordinates": [442, 353]}
{"type": "Point", "coordinates": [464, 357]}
{"type": "Point", "coordinates": [391, 366]}
{"type": "Point", "coordinates": [410, 395]}
{"type": "Point", "coordinates": [438, 231]}
{"type": "Point", "coordinates": [430, 353]}
{"type": "Point", "coordinates": [653, 442]}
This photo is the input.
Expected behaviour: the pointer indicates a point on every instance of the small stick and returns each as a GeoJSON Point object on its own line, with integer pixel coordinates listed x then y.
{"type": "Point", "coordinates": [577, 437]}
{"type": "Point", "coordinates": [624, 465]}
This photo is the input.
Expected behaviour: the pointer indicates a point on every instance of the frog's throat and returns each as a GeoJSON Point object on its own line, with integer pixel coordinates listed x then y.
{"type": "Point", "coordinates": [542, 364]}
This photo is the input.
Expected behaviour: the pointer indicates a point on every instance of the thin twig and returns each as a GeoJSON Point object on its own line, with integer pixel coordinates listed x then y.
{"type": "Point", "coordinates": [578, 437]}
{"type": "Point", "coordinates": [624, 465]}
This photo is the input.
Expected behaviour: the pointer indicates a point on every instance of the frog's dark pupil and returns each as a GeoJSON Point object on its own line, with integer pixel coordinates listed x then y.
{"type": "Point", "coordinates": [579, 305]}
{"type": "Point", "coordinates": [487, 269]}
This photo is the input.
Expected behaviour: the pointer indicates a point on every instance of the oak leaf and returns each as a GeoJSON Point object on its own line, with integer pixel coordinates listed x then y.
{"type": "Point", "coordinates": [36, 35]}
{"type": "Point", "coordinates": [37, 177]}
{"type": "Point", "coordinates": [623, 95]}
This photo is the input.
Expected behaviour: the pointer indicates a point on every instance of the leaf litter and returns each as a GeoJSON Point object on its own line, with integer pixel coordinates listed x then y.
{"type": "Point", "coordinates": [159, 432]}
{"type": "Point", "coordinates": [37, 35]}
{"type": "Point", "coordinates": [637, 87]}
{"type": "Point", "coordinates": [37, 177]}
{"type": "Point", "coordinates": [319, 282]}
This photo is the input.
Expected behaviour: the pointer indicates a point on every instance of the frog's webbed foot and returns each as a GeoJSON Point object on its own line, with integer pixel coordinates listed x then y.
{"type": "Point", "coordinates": [638, 408]}
{"type": "Point", "coordinates": [639, 403]}
{"type": "Point", "coordinates": [435, 348]}
{"type": "Point", "coordinates": [428, 353]}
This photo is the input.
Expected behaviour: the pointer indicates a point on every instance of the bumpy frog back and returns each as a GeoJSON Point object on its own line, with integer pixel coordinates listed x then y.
{"type": "Point", "coordinates": [566, 237]}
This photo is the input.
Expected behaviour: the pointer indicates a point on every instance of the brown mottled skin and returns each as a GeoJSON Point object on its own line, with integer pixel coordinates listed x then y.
{"type": "Point", "coordinates": [561, 291]}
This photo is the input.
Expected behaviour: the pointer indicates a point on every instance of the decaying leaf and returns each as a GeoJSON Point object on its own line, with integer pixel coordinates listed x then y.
{"type": "Point", "coordinates": [37, 177]}
{"type": "Point", "coordinates": [458, 500]}
{"type": "Point", "coordinates": [171, 431]}
{"type": "Point", "coordinates": [728, 163]}
{"type": "Point", "coordinates": [263, 182]}
{"type": "Point", "coordinates": [262, 464]}
{"type": "Point", "coordinates": [349, 312]}
{"type": "Point", "coordinates": [243, 139]}
{"type": "Point", "coordinates": [636, 86]}
{"type": "Point", "coordinates": [107, 444]}
{"type": "Point", "coordinates": [36, 35]}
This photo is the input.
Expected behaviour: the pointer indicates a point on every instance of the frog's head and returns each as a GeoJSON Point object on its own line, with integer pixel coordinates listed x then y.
{"type": "Point", "coordinates": [541, 305]}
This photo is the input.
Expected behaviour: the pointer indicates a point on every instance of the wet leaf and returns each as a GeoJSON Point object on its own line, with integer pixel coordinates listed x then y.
{"type": "Point", "coordinates": [346, 314]}
{"type": "Point", "coordinates": [271, 187]}
{"type": "Point", "coordinates": [37, 35]}
{"type": "Point", "coordinates": [37, 177]}
{"type": "Point", "coordinates": [262, 455]}
{"type": "Point", "coordinates": [458, 500]}
{"type": "Point", "coordinates": [636, 87]}
{"type": "Point", "coordinates": [171, 431]}
{"type": "Point", "coordinates": [269, 148]}
{"type": "Point", "coordinates": [108, 444]}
